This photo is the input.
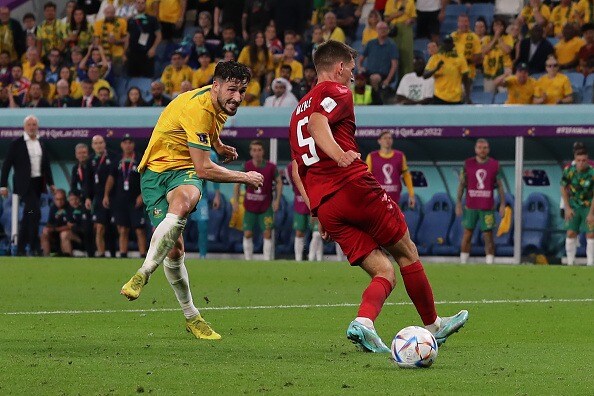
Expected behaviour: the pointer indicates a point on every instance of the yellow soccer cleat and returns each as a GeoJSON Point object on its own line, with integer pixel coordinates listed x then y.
{"type": "Point", "coordinates": [201, 330]}
{"type": "Point", "coordinates": [134, 286]}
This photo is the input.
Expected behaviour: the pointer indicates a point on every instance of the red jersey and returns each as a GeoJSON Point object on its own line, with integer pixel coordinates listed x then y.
{"type": "Point", "coordinates": [319, 173]}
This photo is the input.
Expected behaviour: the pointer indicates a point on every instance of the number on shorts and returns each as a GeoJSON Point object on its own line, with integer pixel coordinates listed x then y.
{"type": "Point", "coordinates": [191, 174]}
{"type": "Point", "coordinates": [313, 157]}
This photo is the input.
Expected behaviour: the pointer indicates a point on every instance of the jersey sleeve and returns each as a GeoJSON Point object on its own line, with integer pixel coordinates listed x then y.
{"type": "Point", "coordinates": [368, 162]}
{"type": "Point", "coordinates": [334, 102]}
{"type": "Point", "coordinates": [404, 164]}
{"type": "Point", "coordinates": [197, 123]}
{"type": "Point", "coordinates": [565, 178]}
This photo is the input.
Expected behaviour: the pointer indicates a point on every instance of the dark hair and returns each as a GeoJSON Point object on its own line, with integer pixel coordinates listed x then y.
{"type": "Point", "coordinates": [83, 25]}
{"type": "Point", "coordinates": [105, 89]}
{"type": "Point", "coordinates": [254, 50]}
{"type": "Point", "coordinates": [579, 149]}
{"type": "Point", "coordinates": [257, 142]}
{"type": "Point", "coordinates": [87, 81]}
{"type": "Point", "coordinates": [332, 52]}
{"type": "Point", "coordinates": [232, 71]}
{"type": "Point", "coordinates": [49, 4]}
{"type": "Point", "coordinates": [287, 67]}
{"type": "Point", "coordinates": [384, 132]}
{"type": "Point", "coordinates": [141, 101]}
{"type": "Point", "coordinates": [17, 64]}
{"type": "Point", "coordinates": [228, 26]}
{"type": "Point", "coordinates": [28, 15]}
{"type": "Point", "coordinates": [5, 52]}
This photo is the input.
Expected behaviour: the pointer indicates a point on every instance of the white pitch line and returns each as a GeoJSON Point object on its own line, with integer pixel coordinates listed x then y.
{"type": "Point", "coordinates": [258, 307]}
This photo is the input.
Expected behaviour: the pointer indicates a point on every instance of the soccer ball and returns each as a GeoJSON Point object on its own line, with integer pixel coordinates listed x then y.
{"type": "Point", "coordinates": [413, 347]}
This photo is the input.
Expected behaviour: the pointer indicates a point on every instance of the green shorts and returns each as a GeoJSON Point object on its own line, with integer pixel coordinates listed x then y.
{"type": "Point", "coordinates": [155, 187]}
{"type": "Point", "coordinates": [578, 222]}
{"type": "Point", "coordinates": [265, 220]}
{"type": "Point", "coordinates": [486, 219]}
{"type": "Point", "coordinates": [300, 222]}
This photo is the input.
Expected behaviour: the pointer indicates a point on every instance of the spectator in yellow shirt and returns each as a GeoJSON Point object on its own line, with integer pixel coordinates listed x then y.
{"type": "Point", "coordinates": [330, 29]}
{"type": "Point", "coordinates": [450, 71]}
{"type": "Point", "coordinates": [112, 33]}
{"type": "Point", "coordinates": [252, 94]}
{"type": "Point", "coordinates": [568, 48]}
{"type": "Point", "coordinates": [175, 73]}
{"type": "Point", "coordinates": [32, 63]}
{"type": "Point", "coordinates": [401, 15]}
{"type": "Point", "coordinates": [74, 86]}
{"type": "Point", "coordinates": [583, 12]}
{"type": "Point", "coordinates": [94, 75]}
{"type": "Point", "coordinates": [289, 59]}
{"type": "Point", "coordinates": [520, 87]}
{"type": "Point", "coordinates": [79, 33]}
{"type": "Point", "coordinates": [496, 54]}
{"type": "Point", "coordinates": [534, 13]}
{"type": "Point", "coordinates": [467, 44]}
{"type": "Point", "coordinates": [370, 32]}
{"type": "Point", "coordinates": [562, 14]}
{"type": "Point", "coordinates": [50, 33]}
{"type": "Point", "coordinates": [258, 57]}
{"type": "Point", "coordinates": [203, 75]}
{"type": "Point", "coordinates": [170, 14]}
{"type": "Point", "coordinates": [554, 87]}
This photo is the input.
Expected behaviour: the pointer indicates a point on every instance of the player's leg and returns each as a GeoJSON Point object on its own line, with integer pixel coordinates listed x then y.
{"type": "Point", "coordinates": [573, 227]}
{"type": "Point", "coordinates": [299, 226]}
{"type": "Point", "coordinates": [590, 248]}
{"type": "Point", "coordinates": [469, 220]}
{"type": "Point", "coordinates": [123, 233]}
{"type": "Point", "coordinates": [45, 241]}
{"type": "Point", "coordinates": [316, 245]}
{"type": "Point", "coordinates": [66, 242]}
{"type": "Point", "coordinates": [249, 220]}
{"type": "Point", "coordinates": [487, 223]}
{"type": "Point", "coordinates": [266, 222]}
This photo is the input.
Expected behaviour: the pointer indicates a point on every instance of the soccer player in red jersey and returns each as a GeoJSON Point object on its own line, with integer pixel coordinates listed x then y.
{"type": "Point", "coordinates": [351, 206]}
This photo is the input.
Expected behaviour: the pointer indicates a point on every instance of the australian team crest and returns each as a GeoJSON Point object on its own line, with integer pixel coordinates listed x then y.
{"type": "Point", "coordinates": [157, 213]}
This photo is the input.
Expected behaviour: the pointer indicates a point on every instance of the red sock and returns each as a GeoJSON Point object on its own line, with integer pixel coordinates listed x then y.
{"type": "Point", "coordinates": [373, 298]}
{"type": "Point", "coordinates": [419, 290]}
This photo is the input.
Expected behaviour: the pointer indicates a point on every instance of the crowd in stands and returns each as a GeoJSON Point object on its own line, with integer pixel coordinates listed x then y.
{"type": "Point", "coordinates": [88, 57]}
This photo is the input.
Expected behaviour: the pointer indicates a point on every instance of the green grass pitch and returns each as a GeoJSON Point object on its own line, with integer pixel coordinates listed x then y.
{"type": "Point", "coordinates": [64, 329]}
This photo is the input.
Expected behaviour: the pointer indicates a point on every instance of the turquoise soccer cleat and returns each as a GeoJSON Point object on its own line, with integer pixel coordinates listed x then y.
{"type": "Point", "coordinates": [366, 338]}
{"type": "Point", "coordinates": [450, 325]}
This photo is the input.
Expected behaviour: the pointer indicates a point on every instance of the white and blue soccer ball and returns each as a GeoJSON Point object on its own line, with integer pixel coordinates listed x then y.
{"type": "Point", "coordinates": [413, 347]}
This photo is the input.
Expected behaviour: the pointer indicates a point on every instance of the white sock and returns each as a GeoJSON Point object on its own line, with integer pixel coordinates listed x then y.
{"type": "Point", "coordinates": [490, 258]}
{"type": "Point", "coordinates": [163, 239]}
{"type": "Point", "coordinates": [464, 257]}
{"type": "Point", "coordinates": [313, 245]}
{"type": "Point", "coordinates": [299, 245]}
{"type": "Point", "coordinates": [590, 251]}
{"type": "Point", "coordinates": [339, 252]}
{"type": "Point", "coordinates": [177, 275]}
{"type": "Point", "coordinates": [435, 326]}
{"type": "Point", "coordinates": [267, 249]}
{"type": "Point", "coordinates": [248, 248]}
{"type": "Point", "coordinates": [365, 322]}
{"type": "Point", "coordinates": [571, 249]}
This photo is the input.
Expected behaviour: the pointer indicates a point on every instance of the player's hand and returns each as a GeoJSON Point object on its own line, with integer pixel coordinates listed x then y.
{"type": "Point", "coordinates": [502, 210]}
{"type": "Point", "coordinates": [412, 201]}
{"type": "Point", "coordinates": [458, 209]}
{"type": "Point", "coordinates": [275, 206]}
{"type": "Point", "coordinates": [4, 192]}
{"type": "Point", "coordinates": [254, 179]}
{"type": "Point", "coordinates": [228, 153]}
{"type": "Point", "coordinates": [88, 204]}
{"type": "Point", "coordinates": [151, 53]}
{"type": "Point", "coordinates": [105, 202]}
{"type": "Point", "coordinates": [568, 214]}
{"type": "Point", "coordinates": [348, 158]}
{"type": "Point", "coordinates": [138, 201]}
{"type": "Point", "coordinates": [216, 201]}
{"type": "Point", "coordinates": [323, 233]}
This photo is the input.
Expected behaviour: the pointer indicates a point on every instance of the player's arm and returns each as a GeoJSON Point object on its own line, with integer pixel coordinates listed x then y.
{"type": "Point", "coordinates": [406, 176]}
{"type": "Point", "coordinates": [228, 153]}
{"type": "Point", "coordinates": [565, 197]}
{"type": "Point", "coordinates": [460, 193]}
{"type": "Point", "coordinates": [208, 170]}
{"type": "Point", "coordinates": [501, 194]}
{"type": "Point", "coordinates": [299, 184]}
{"type": "Point", "coordinates": [319, 128]}
{"type": "Point", "coordinates": [279, 192]}
{"type": "Point", "coordinates": [590, 217]}
{"type": "Point", "coordinates": [108, 187]}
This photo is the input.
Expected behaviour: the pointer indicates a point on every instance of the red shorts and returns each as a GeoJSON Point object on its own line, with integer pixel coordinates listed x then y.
{"type": "Point", "coordinates": [361, 217]}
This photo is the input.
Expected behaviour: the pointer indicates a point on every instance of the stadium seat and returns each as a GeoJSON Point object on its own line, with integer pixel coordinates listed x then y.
{"type": "Point", "coordinates": [553, 40]}
{"type": "Point", "coordinates": [191, 235]}
{"type": "Point", "coordinates": [486, 10]}
{"type": "Point", "coordinates": [420, 46]}
{"type": "Point", "coordinates": [357, 46]}
{"type": "Point", "coordinates": [413, 216]}
{"type": "Point", "coordinates": [359, 33]}
{"type": "Point", "coordinates": [481, 97]}
{"type": "Point", "coordinates": [578, 94]}
{"type": "Point", "coordinates": [284, 236]}
{"type": "Point", "coordinates": [453, 10]}
{"type": "Point", "coordinates": [144, 84]}
{"type": "Point", "coordinates": [500, 98]}
{"type": "Point", "coordinates": [218, 225]}
{"type": "Point", "coordinates": [452, 248]}
{"type": "Point", "coordinates": [588, 95]}
{"type": "Point", "coordinates": [478, 82]}
{"type": "Point", "coordinates": [535, 223]}
{"type": "Point", "coordinates": [504, 244]}
{"type": "Point", "coordinates": [589, 82]}
{"type": "Point", "coordinates": [576, 79]}
{"type": "Point", "coordinates": [438, 216]}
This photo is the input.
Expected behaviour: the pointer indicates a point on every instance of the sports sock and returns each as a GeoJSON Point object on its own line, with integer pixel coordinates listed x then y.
{"type": "Point", "coordinates": [299, 244]}
{"type": "Point", "coordinates": [374, 297]}
{"type": "Point", "coordinates": [435, 326]}
{"type": "Point", "coordinates": [163, 239]}
{"type": "Point", "coordinates": [177, 275]}
{"type": "Point", "coordinates": [248, 248]}
{"type": "Point", "coordinates": [203, 238]}
{"type": "Point", "coordinates": [590, 251]}
{"type": "Point", "coordinates": [464, 257]}
{"type": "Point", "coordinates": [571, 249]}
{"type": "Point", "coordinates": [365, 322]}
{"type": "Point", "coordinates": [339, 252]}
{"type": "Point", "coordinates": [267, 249]}
{"type": "Point", "coordinates": [490, 259]}
{"type": "Point", "coordinates": [316, 247]}
{"type": "Point", "coordinates": [419, 290]}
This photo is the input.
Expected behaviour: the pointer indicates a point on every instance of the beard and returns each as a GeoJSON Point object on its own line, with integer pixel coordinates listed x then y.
{"type": "Point", "coordinates": [222, 106]}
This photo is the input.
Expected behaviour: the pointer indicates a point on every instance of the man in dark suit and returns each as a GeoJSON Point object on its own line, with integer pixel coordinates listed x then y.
{"type": "Point", "coordinates": [534, 50]}
{"type": "Point", "coordinates": [88, 99]}
{"type": "Point", "coordinates": [29, 160]}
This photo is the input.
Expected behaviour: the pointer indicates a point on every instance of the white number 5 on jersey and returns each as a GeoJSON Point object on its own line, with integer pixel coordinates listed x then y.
{"type": "Point", "coordinates": [313, 157]}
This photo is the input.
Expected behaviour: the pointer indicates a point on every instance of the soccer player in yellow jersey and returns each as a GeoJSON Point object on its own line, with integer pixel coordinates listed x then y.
{"type": "Point", "coordinates": [173, 169]}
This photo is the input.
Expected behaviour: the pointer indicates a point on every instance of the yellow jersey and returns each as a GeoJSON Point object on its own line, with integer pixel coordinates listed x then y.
{"type": "Point", "coordinates": [190, 120]}
{"type": "Point", "coordinates": [296, 69]}
{"type": "Point", "coordinates": [369, 34]}
{"type": "Point", "coordinates": [29, 69]}
{"type": "Point", "coordinates": [448, 79]}
{"type": "Point", "coordinates": [407, 7]}
{"type": "Point", "coordinates": [468, 45]}
{"type": "Point", "coordinates": [495, 61]}
{"type": "Point", "coordinates": [203, 77]}
{"type": "Point", "coordinates": [337, 34]}
{"type": "Point", "coordinates": [117, 29]}
{"type": "Point", "coordinates": [561, 15]}
{"type": "Point", "coordinates": [169, 10]}
{"type": "Point", "coordinates": [261, 67]}
{"type": "Point", "coordinates": [253, 88]}
{"type": "Point", "coordinates": [555, 88]}
{"type": "Point", "coordinates": [172, 78]}
{"type": "Point", "coordinates": [101, 83]}
{"type": "Point", "coordinates": [528, 15]}
{"type": "Point", "coordinates": [583, 11]}
{"type": "Point", "coordinates": [517, 93]}
{"type": "Point", "coordinates": [567, 51]}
